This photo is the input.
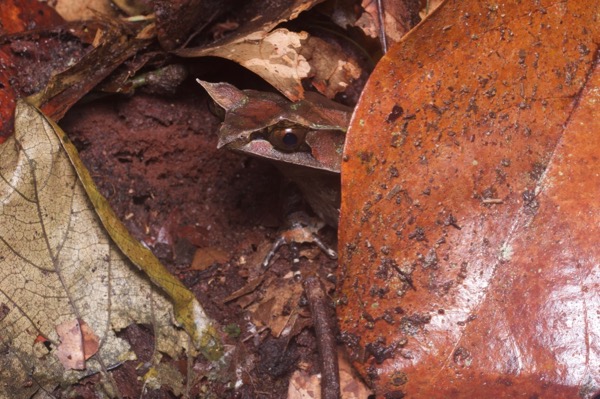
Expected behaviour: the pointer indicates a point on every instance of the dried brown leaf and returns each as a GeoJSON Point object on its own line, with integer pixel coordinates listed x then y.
{"type": "Point", "coordinates": [64, 89]}
{"type": "Point", "coordinates": [77, 10]}
{"type": "Point", "coordinates": [305, 386]}
{"type": "Point", "coordinates": [331, 68]}
{"type": "Point", "coordinates": [279, 303]}
{"type": "Point", "coordinates": [272, 54]}
{"type": "Point", "coordinates": [206, 257]}
{"type": "Point", "coordinates": [398, 18]}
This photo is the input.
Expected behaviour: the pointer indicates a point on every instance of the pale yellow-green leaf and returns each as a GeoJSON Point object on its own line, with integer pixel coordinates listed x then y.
{"type": "Point", "coordinates": [187, 309]}
{"type": "Point", "coordinates": [164, 375]}
{"type": "Point", "coordinates": [57, 263]}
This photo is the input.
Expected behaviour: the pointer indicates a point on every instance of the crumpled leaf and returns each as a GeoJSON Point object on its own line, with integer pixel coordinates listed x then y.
{"type": "Point", "coordinates": [398, 18]}
{"type": "Point", "coordinates": [305, 386]}
{"type": "Point", "coordinates": [283, 57]}
{"type": "Point", "coordinates": [274, 56]}
{"type": "Point", "coordinates": [77, 10]}
{"type": "Point", "coordinates": [113, 46]}
{"type": "Point", "coordinates": [470, 264]}
{"type": "Point", "coordinates": [331, 68]}
{"type": "Point", "coordinates": [277, 310]}
{"type": "Point", "coordinates": [58, 264]}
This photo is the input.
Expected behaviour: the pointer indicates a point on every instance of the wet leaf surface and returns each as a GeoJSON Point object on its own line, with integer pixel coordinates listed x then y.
{"type": "Point", "coordinates": [23, 15]}
{"type": "Point", "coordinates": [469, 207]}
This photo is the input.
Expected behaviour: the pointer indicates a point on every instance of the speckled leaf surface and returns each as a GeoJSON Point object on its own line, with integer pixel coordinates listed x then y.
{"type": "Point", "coordinates": [58, 264]}
{"type": "Point", "coordinates": [470, 264]}
{"type": "Point", "coordinates": [273, 54]}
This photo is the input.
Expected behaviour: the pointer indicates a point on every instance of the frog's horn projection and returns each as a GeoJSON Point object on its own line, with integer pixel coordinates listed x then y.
{"type": "Point", "coordinates": [246, 111]}
{"type": "Point", "coordinates": [224, 94]}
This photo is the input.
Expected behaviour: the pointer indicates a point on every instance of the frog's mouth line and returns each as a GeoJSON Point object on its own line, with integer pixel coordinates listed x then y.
{"type": "Point", "coordinates": [263, 149]}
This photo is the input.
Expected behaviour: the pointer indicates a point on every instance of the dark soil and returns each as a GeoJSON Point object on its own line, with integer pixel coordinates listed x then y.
{"type": "Point", "coordinates": [155, 159]}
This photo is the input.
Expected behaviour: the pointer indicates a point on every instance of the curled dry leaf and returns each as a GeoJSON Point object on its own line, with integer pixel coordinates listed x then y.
{"type": "Point", "coordinates": [77, 10]}
{"type": "Point", "coordinates": [58, 264]}
{"type": "Point", "coordinates": [282, 57]}
{"type": "Point", "coordinates": [305, 386]}
{"type": "Point", "coordinates": [472, 176]}
{"type": "Point", "coordinates": [398, 18]}
{"type": "Point", "coordinates": [274, 56]}
{"type": "Point", "coordinates": [64, 89]}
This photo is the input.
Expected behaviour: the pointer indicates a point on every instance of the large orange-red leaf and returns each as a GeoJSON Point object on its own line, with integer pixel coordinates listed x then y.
{"type": "Point", "coordinates": [24, 15]}
{"type": "Point", "coordinates": [470, 221]}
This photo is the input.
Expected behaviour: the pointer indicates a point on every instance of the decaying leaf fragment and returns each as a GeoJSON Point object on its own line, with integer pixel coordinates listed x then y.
{"type": "Point", "coordinates": [305, 386]}
{"type": "Point", "coordinates": [111, 48]}
{"type": "Point", "coordinates": [77, 344]}
{"type": "Point", "coordinates": [332, 70]}
{"type": "Point", "coordinates": [398, 18]}
{"type": "Point", "coordinates": [283, 57]}
{"type": "Point", "coordinates": [274, 56]}
{"type": "Point", "coordinates": [58, 264]}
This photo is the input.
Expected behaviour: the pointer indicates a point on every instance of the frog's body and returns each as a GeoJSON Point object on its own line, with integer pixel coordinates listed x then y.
{"type": "Point", "coordinates": [304, 139]}
{"type": "Point", "coordinates": [321, 190]}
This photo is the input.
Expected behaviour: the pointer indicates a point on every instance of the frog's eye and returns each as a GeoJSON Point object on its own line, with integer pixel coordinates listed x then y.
{"type": "Point", "coordinates": [287, 138]}
{"type": "Point", "coordinates": [216, 109]}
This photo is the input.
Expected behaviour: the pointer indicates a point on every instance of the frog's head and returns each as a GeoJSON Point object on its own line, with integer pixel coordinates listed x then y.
{"type": "Point", "coordinates": [309, 132]}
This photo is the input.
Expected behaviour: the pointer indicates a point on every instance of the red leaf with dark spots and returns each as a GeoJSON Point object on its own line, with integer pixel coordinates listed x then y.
{"type": "Point", "coordinates": [470, 213]}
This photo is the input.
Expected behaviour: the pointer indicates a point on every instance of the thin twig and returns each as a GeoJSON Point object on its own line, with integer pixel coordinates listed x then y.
{"type": "Point", "coordinates": [324, 331]}
{"type": "Point", "coordinates": [382, 37]}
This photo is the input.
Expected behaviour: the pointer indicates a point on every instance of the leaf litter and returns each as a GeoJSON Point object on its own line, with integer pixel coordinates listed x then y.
{"type": "Point", "coordinates": [331, 79]}
{"type": "Point", "coordinates": [59, 265]}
